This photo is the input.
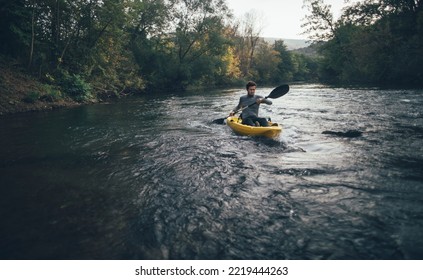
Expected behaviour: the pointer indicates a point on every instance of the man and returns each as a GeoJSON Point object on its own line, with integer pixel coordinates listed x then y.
{"type": "Point", "coordinates": [250, 113]}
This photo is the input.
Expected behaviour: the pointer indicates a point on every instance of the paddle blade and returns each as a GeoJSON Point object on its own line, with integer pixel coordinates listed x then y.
{"type": "Point", "coordinates": [279, 91]}
{"type": "Point", "coordinates": [219, 121]}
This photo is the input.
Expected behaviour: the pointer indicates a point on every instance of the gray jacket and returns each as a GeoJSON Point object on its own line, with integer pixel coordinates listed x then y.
{"type": "Point", "coordinates": [252, 111]}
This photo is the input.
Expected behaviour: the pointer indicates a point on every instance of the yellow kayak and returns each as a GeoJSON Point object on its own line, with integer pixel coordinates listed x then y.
{"type": "Point", "coordinates": [271, 131]}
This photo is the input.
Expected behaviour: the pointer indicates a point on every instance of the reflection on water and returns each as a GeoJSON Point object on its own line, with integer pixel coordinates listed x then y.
{"type": "Point", "coordinates": [156, 179]}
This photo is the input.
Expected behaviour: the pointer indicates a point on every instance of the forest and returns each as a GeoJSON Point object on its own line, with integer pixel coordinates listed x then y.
{"type": "Point", "coordinates": [88, 48]}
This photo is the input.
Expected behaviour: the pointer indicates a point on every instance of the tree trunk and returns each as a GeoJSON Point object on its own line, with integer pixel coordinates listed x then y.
{"type": "Point", "coordinates": [31, 52]}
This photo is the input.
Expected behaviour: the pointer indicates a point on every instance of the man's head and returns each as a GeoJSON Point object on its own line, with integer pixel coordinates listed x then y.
{"type": "Point", "coordinates": [251, 88]}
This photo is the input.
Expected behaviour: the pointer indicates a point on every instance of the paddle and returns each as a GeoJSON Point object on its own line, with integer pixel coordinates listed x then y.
{"type": "Point", "coordinates": [275, 93]}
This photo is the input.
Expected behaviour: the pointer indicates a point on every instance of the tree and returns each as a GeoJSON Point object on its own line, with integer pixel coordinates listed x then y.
{"type": "Point", "coordinates": [199, 38]}
{"type": "Point", "coordinates": [306, 68]}
{"type": "Point", "coordinates": [266, 62]}
{"type": "Point", "coordinates": [247, 35]}
{"type": "Point", "coordinates": [319, 25]}
{"type": "Point", "coordinates": [192, 48]}
{"type": "Point", "coordinates": [15, 28]}
{"type": "Point", "coordinates": [286, 66]}
{"type": "Point", "coordinates": [373, 42]}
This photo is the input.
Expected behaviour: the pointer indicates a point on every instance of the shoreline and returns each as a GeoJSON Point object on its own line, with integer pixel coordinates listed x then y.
{"type": "Point", "coordinates": [13, 107]}
{"type": "Point", "coordinates": [22, 93]}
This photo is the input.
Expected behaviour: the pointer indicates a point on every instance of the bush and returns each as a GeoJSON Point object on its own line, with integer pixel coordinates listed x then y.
{"type": "Point", "coordinates": [75, 86]}
{"type": "Point", "coordinates": [50, 93]}
{"type": "Point", "coordinates": [31, 97]}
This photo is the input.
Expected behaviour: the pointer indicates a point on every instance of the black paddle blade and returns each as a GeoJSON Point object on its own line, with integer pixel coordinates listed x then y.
{"type": "Point", "coordinates": [219, 121]}
{"type": "Point", "coordinates": [279, 91]}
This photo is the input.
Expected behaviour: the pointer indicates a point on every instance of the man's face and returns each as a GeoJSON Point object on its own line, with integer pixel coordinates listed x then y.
{"type": "Point", "coordinates": [251, 90]}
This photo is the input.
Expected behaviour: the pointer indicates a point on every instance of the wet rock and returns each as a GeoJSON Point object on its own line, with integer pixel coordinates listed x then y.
{"type": "Point", "coordinates": [348, 134]}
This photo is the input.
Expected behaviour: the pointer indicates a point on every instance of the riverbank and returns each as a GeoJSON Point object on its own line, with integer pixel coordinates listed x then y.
{"type": "Point", "coordinates": [20, 92]}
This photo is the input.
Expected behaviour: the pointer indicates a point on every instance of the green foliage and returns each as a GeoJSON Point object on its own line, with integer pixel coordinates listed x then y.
{"type": "Point", "coordinates": [74, 86]}
{"type": "Point", "coordinates": [32, 97]}
{"type": "Point", "coordinates": [193, 50]}
{"type": "Point", "coordinates": [306, 68]}
{"type": "Point", "coordinates": [122, 46]}
{"type": "Point", "coordinates": [126, 46]}
{"type": "Point", "coordinates": [50, 93]}
{"type": "Point", "coordinates": [374, 42]}
{"type": "Point", "coordinates": [14, 27]}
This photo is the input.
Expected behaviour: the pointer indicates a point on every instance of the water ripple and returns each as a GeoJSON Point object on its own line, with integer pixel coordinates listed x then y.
{"type": "Point", "coordinates": [154, 178]}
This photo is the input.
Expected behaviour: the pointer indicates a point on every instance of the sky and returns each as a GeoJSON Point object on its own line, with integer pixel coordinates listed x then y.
{"type": "Point", "coordinates": [281, 18]}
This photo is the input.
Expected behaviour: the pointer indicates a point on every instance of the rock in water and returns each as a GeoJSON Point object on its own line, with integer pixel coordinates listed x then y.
{"type": "Point", "coordinates": [348, 134]}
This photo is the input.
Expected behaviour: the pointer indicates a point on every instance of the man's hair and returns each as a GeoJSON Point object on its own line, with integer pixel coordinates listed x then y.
{"type": "Point", "coordinates": [250, 84]}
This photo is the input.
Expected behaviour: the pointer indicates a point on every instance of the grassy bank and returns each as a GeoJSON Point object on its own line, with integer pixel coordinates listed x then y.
{"type": "Point", "coordinates": [20, 92]}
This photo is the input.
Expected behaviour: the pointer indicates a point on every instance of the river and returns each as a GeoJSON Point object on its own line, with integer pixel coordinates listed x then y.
{"type": "Point", "coordinates": [155, 178]}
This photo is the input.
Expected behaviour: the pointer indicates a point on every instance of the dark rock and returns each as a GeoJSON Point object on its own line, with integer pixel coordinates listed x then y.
{"type": "Point", "coordinates": [348, 134]}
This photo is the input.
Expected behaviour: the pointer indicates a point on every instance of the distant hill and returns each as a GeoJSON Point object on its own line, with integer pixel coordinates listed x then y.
{"type": "Point", "coordinates": [292, 44]}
